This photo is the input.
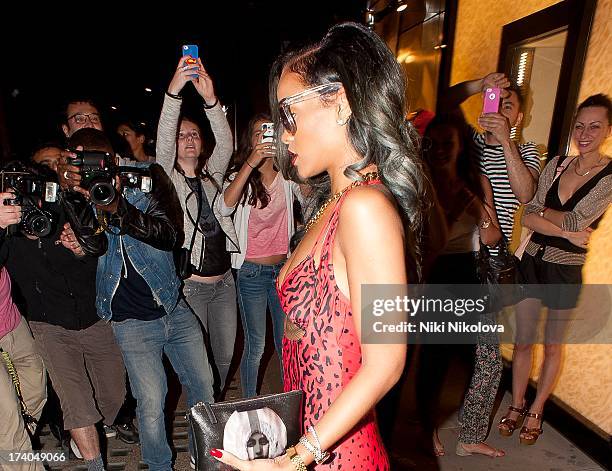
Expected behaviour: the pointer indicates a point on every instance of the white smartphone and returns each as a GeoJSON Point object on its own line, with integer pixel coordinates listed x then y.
{"type": "Point", "coordinates": [267, 132]}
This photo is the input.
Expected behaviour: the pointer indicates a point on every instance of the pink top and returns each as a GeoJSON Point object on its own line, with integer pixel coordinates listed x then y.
{"type": "Point", "coordinates": [267, 233]}
{"type": "Point", "coordinates": [9, 314]}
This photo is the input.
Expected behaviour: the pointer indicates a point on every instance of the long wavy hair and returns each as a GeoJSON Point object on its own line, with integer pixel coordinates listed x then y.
{"type": "Point", "coordinates": [201, 171]}
{"type": "Point", "coordinates": [375, 88]}
{"type": "Point", "coordinates": [467, 167]}
{"type": "Point", "coordinates": [258, 195]}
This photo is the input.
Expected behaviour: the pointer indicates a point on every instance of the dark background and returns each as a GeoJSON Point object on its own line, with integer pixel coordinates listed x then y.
{"type": "Point", "coordinates": [112, 51]}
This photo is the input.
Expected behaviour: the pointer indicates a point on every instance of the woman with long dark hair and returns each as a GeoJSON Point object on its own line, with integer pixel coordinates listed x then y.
{"type": "Point", "coordinates": [198, 178]}
{"type": "Point", "coordinates": [339, 106]}
{"type": "Point", "coordinates": [262, 203]}
{"type": "Point", "coordinates": [466, 199]}
{"type": "Point", "coordinates": [135, 136]}
{"type": "Point", "coordinates": [573, 194]}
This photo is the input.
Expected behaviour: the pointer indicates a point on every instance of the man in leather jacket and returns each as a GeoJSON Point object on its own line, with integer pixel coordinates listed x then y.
{"type": "Point", "coordinates": [54, 278]}
{"type": "Point", "coordinates": [138, 291]}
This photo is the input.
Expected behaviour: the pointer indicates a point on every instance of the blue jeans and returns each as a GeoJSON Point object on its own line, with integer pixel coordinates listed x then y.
{"type": "Point", "coordinates": [215, 306]}
{"type": "Point", "coordinates": [256, 291]}
{"type": "Point", "coordinates": [142, 344]}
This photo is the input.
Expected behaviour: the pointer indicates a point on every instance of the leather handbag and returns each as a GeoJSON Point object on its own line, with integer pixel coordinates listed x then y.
{"type": "Point", "coordinates": [499, 274]}
{"type": "Point", "coordinates": [252, 428]}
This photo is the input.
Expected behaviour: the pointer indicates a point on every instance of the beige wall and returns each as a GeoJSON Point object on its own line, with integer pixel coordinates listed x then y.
{"type": "Point", "coordinates": [585, 380]}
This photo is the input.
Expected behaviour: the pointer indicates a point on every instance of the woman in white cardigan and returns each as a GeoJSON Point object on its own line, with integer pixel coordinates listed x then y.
{"type": "Point", "coordinates": [262, 203]}
{"type": "Point", "coordinates": [210, 291]}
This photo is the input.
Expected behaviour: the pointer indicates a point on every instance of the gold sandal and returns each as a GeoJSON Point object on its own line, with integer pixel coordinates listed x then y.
{"type": "Point", "coordinates": [532, 434]}
{"type": "Point", "coordinates": [512, 424]}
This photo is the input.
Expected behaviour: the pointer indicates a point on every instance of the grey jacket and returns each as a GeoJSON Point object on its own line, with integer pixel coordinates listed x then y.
{"type": "Point", "coordinates": [216, 165]}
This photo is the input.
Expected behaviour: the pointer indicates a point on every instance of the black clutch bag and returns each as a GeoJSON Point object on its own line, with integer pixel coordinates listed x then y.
{"type": "Point", "coordinates": [253, 428]}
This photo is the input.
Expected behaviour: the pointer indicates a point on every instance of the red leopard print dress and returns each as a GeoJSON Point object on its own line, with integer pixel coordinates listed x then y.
{"type": "Point", "coordinates": [324, 361]}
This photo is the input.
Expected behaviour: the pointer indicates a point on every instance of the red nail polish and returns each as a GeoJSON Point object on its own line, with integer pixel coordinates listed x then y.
{"type": "Point", "coordinates": [216, 453]}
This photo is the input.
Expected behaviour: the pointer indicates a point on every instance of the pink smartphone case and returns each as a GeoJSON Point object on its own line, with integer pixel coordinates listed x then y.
{"type": "Point", "coordinates": [491, 100]}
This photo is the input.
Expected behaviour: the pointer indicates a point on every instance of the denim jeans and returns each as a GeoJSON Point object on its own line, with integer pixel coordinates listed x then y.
{"type": "Point", "coordinates": [215, 306]}
{"type": "Point", "coordinates": [142, 343]}
{"type": "Point", "coordinates": [256, 291]}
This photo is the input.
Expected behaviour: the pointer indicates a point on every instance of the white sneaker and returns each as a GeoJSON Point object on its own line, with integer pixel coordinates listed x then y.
{"type": "Point", "coordinates": [75, 449]}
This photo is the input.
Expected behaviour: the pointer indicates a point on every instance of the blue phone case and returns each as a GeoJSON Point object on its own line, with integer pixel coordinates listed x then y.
{"type": "Point", "coordinates": [190, 50]}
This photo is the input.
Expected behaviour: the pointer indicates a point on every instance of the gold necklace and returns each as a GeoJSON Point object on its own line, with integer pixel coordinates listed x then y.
{"type": "Point", "coordinates": [366, 178]}
{"type": "Point", "coordinates": [589, 170]}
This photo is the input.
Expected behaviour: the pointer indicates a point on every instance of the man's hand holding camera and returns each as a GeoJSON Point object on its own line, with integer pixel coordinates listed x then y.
{"type": "Point", "coordinates": [69, 175]}
{"type": "Point", "coordinates": [68, 239]}
{"type": "Point", "coordinates": [70, 178]}
{"type": "Point", "coordinates": [9, 214]}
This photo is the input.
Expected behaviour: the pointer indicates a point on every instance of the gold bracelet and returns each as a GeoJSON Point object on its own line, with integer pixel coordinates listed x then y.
{"type": "Point", "coordinates": [296, 459]}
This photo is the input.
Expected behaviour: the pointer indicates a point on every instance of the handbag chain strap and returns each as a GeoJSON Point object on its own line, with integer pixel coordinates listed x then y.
{"type": "Point", "coordinates": [30, 421]}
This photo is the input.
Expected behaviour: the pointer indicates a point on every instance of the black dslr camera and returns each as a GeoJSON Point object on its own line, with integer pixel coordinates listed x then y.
{"type": "Point", "coordinates": [34, 189]}
{"type": "Point", "coordinates": [135, 177]}
{"type": "Point", "coordinates": [97, 169]}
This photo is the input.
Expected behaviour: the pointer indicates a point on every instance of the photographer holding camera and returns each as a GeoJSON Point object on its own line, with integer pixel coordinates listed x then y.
{"type": "Point", "coordinates": [138, 290]}
{"type": "Point", "coordinates": [55, 276]}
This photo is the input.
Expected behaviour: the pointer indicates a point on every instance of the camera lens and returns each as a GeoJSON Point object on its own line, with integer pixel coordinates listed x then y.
{"type": "Point", "coordinates": [102, 193]}
{"type": "Point", "coordinates": [37, 224]}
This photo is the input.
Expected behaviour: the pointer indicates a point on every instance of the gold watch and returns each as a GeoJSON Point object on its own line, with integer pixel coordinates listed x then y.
{"type": "Point", "coordinates": [296, 459]}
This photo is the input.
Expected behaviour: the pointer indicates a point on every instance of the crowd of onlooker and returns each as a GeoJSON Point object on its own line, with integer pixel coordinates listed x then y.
{"type": "Point", "coordinates": [173, 270]}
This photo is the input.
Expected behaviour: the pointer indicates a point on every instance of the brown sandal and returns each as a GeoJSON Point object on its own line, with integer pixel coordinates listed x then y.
{"type": "Point", "coordinates": [512, 424]}
{"type": "Point", "coordinates": [531, 434]}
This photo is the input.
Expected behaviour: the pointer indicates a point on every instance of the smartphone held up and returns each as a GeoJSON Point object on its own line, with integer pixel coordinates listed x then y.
{"type": "Point", "coordinates": [191, 52]}
{"type": "Point", "coordinates": [492, 98]}
{"type": "Point", "coordinates": [267, 132]}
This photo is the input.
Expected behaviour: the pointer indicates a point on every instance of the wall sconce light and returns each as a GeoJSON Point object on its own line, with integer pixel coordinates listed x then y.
{"type": "Point", "coordinates": [522, 65]}
{"type": "Point", "coordinates": [401, 6]}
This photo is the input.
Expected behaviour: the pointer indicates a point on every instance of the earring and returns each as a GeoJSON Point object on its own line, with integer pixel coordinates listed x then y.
{"type": "Point", "coordinates": [340, 121]}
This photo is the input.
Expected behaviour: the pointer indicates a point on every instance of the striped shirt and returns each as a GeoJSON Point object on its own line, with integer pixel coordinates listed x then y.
{"type": "Point", "coordinates": [492, 164]}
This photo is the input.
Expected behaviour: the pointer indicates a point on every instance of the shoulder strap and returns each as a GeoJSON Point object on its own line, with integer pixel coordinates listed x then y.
{"type": "Point", "coordinates": [196, 223]}
{"type": "Point", "coordinates": [562, 164]}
